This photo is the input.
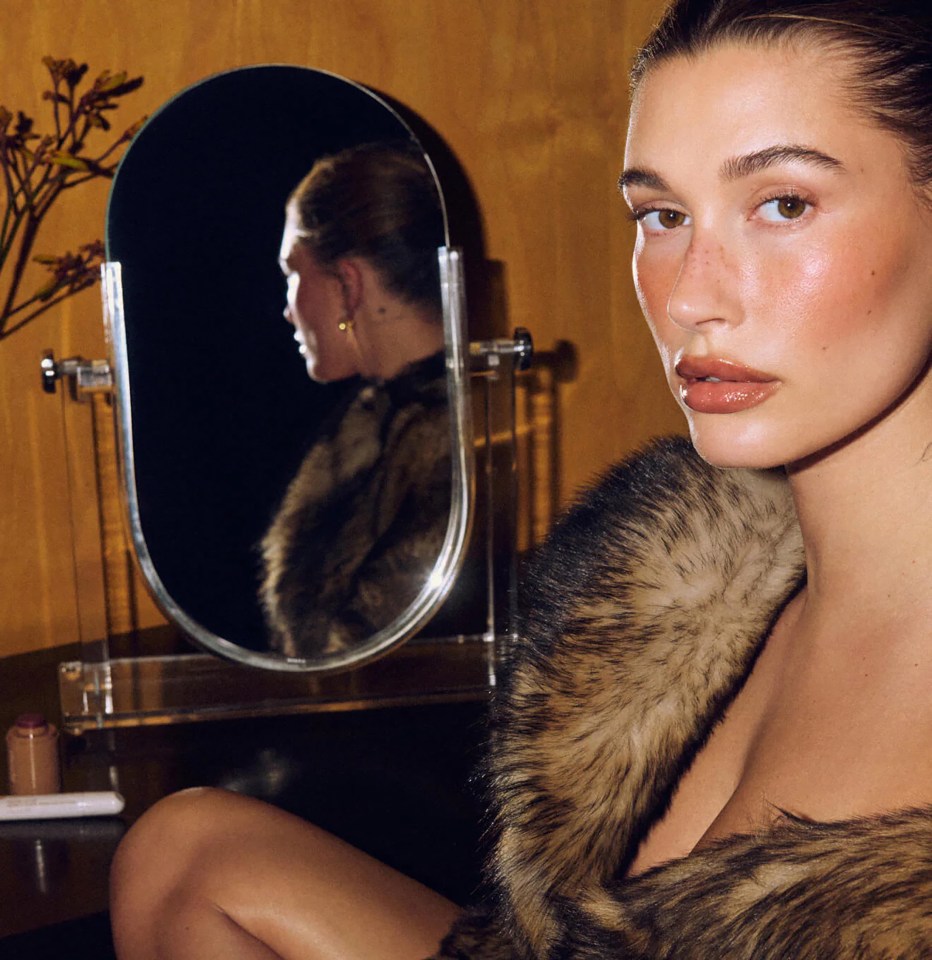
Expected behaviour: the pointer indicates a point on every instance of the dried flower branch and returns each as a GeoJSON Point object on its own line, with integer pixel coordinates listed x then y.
{"type": "Point", "coordinates": [38, 168]}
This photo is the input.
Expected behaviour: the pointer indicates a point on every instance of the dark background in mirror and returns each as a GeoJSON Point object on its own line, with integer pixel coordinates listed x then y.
{"type": "Point", "coordinates": [223, 410]}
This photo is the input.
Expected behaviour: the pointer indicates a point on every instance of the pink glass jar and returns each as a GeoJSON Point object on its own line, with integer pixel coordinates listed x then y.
{"type": "Point", "coordinates": [32, 755]}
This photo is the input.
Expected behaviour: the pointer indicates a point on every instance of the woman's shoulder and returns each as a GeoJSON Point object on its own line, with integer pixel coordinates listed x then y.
{"type": "Point", "coordinates": [664, 532]}
{"type": "Point", "coordinates": [666, 494]}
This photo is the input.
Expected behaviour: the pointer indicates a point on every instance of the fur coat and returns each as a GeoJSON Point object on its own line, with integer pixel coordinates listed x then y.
{"type": "Point", "coordinates": [363, 521]}
{"type": "Point", "coordinates": [646, 610]}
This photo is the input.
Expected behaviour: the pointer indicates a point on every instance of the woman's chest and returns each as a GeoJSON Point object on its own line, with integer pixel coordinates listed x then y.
{"type": "Point", "coordinates": [821, 741]}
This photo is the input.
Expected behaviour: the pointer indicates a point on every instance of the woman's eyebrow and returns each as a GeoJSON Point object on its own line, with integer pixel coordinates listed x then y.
{"type": "Point", "coordinates": [640, 177]}
{"type": "Point", "coordinates": [737, 167]}
{"type": "Point", "coordinates": [751, 163]}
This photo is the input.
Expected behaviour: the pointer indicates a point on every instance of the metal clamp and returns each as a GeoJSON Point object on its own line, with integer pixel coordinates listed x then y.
{"type": "Point", "coordinates": [86, 377]}
{"type": "Point", "coordinates": [486, 355]}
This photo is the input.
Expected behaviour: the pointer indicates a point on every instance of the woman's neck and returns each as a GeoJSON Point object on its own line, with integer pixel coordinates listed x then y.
{"type": "Point", "coordinates": [395, 340]}
{"type": "Point", "coordinates": [389, 333]}
{"type": "Point", "coordinates": [865, 511]}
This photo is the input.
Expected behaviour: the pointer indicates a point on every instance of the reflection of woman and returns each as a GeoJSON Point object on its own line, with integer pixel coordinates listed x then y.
{"type": "Point", "coordinates": [713, 741]}
{"type": "Point", "coordinates": [363, 521]}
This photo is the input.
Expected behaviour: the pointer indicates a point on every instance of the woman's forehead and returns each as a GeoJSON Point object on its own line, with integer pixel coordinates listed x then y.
{"type": "Point", "coordinates": [738, 99]}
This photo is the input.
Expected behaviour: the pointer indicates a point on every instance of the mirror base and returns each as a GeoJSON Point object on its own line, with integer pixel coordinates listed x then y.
{"type": "Point", "coordinates": [177, 689]}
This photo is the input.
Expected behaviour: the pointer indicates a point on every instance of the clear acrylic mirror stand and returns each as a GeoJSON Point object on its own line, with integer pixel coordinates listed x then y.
{"type": "Point", "coordinates": [102, 690]}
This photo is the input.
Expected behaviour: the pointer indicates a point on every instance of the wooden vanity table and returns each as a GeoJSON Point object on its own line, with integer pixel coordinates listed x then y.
{"type": "Point", "coordinates": [212, 432]}
{"type": "Point", "coordinates": [393, 781]}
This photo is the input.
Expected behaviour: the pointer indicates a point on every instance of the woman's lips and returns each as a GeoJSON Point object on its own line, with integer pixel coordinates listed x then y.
{"type": "Point", "coordinates": [303, 348]}
{"type": "Point", "coordinates": [715, 385]}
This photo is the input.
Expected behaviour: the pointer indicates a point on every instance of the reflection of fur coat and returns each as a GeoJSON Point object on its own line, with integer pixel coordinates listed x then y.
{"type": "Point", "coordinates": [363, 520]}
{"type": "Point", "coordinates": [647, 608]}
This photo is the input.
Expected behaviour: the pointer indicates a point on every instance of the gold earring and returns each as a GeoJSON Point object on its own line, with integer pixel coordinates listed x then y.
{"type": "Point", "coordinates": [345, 325]}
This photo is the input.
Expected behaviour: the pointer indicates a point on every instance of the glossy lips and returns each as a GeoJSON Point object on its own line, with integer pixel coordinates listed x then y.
{"type": "Point", "coordinates": [733, 387]}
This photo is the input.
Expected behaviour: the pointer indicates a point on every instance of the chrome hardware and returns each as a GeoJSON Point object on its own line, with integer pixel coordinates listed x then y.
{"type": "Point", "coordinates": [486, 355]}
{"type": "Point", "coordinates": [86, 377]}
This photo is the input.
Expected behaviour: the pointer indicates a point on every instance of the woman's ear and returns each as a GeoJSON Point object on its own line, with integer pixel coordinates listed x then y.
{"type": "Point", "coordinates": [351, 283]}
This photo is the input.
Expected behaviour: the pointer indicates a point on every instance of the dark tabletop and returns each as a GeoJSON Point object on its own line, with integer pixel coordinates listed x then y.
{"type": "Point", "coordinates": [393, 781]}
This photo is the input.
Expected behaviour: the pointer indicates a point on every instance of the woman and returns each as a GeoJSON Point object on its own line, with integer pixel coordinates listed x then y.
{"type": "Point", "coordinates": [712, 741]}
{"type": "Point", "coordinates": [364, 519]}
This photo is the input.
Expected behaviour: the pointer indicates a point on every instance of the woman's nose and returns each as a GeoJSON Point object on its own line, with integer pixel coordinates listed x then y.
{"type": "Point", "coordinates": [705, 289]}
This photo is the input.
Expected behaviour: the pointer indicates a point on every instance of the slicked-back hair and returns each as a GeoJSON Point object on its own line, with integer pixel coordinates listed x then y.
{"type": "Point", "coordinates": [379, 202]}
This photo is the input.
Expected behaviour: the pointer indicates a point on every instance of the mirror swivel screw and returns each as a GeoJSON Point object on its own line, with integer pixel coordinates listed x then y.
{"type": "Point", "coordinates": [86, 377]}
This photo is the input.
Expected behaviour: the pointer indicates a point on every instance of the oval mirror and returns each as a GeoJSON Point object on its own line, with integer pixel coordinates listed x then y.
{"type": "Point", "coordinates": [299, 485]}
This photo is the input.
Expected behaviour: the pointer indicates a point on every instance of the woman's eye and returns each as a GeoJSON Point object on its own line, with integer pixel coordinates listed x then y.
{"type": "Point", "coordinates": [657, 220]}
{"type": "Point", "coordinates": [783, 208]}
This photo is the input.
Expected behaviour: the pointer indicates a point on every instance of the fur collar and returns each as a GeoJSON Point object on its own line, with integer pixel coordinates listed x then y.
{"type": "Point", "coordinates": [364, 517]}
{"type": "Point", "coordinates": [646, 610]}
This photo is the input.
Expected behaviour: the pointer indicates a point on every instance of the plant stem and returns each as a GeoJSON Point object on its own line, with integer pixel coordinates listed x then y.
{"type": "Point", "coordinates": [37, 169]}
{"type": "Point", "coordinates": [9, 331]}
{"type": "Point", "coordinates": [26, 242]}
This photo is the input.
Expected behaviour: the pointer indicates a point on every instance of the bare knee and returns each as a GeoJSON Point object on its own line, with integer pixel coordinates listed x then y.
{"type": "Point", "coordinates": [207, 873]}
{"type": "Point", "coordinates": [164, 861]}
{"type": "Point", "coordinates": [168, 836]}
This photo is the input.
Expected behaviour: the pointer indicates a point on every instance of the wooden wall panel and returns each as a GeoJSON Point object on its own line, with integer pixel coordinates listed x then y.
{"type": "Point", "coordinates": [531, 97]}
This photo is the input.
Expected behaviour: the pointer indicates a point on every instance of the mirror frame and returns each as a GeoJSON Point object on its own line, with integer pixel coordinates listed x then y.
{"type": "Point", "coordinates": [230, 681]}
{"type": "Point", "coordinates": [357, 101]}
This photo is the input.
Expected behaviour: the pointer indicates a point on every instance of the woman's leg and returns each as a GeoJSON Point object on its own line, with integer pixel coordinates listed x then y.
{"type": "Point", "coordinates": [208, 874]}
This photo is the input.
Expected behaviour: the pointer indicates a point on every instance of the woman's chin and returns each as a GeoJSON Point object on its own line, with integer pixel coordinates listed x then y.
{"type": "Point", "coordinates": [315, 371]}
{"type": "Point", "coordinates": [723, 446]}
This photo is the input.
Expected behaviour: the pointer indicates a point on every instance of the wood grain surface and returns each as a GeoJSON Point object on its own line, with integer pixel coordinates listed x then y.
{"type": "Point", "coordinates": [530, 95]}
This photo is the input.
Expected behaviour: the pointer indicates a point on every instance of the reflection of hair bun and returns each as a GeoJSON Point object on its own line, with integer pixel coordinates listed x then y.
{"type": "Point", "coordinates": [377, 201]}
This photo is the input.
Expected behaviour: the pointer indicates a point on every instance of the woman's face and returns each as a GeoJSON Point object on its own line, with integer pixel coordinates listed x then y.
{"type": "Point", "coordinates": [782, 257]}
{"type": "Point", "coordinates": [315, 307]}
